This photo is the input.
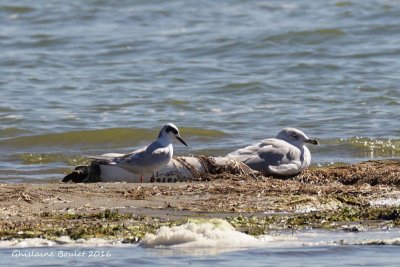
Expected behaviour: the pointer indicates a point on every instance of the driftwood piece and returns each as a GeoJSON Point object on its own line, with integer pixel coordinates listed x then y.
{"type": "Point", "coordinates": [177, 170]}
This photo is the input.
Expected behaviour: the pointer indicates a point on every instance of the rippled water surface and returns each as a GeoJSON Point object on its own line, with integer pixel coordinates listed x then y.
{"type": "Point", "coordinates": [286, 257]}
{"type": "Point", "coordinates": [87, 77]}
{"type": "Point", "coordinates": [310, 248]}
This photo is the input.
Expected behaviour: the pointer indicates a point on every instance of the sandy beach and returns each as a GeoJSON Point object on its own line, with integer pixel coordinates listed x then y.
{"type": "Point", "coordinates": [353, 198]}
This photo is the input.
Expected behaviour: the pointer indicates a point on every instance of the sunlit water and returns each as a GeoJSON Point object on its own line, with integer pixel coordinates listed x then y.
{"type": "Point", "coordinates": [123, 256]}
{"type": "Point", "coordinates": [87, 77]}
{"type": "Point", "coordinates": [310, 248]}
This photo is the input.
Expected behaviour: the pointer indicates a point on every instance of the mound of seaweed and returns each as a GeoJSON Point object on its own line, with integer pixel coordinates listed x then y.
{"type": "Point", "coordinates": [232, 170]}
{"type": "Point", "coordinates": [374, 172]}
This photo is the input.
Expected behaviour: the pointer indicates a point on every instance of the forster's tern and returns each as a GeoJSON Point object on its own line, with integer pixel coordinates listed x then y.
{"type": "Point", "coordinates": [146, 160]}
{"type": "Point", "coordinates": [284, 155]}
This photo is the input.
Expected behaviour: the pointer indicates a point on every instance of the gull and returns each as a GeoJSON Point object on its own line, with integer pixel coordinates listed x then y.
{"type": "Point", "coordinates": [286, 154]}
{"type": "Point", "coordinates": [148, 159]}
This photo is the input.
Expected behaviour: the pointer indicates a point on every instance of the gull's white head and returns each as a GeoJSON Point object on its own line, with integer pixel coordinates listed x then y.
{"type": "Point", "coordinates": [295, 136]}
{"type": "Point", "coordinates": [168, 131]}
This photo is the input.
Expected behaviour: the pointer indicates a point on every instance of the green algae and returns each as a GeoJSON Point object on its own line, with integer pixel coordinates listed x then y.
{"type": "Point", "coordinates": [110, 224]}
{"type": "Point", "coordinates": [383, 216]}
{"type": "Point", "coordinates": [131, 228]}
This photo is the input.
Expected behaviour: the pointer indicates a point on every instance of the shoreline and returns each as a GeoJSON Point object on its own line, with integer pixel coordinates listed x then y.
{"type": "Point", "coordinates": [356, 197]}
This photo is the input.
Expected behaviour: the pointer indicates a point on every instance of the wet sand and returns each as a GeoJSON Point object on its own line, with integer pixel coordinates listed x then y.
{"type": "Point", "coordinates": [352, 198]}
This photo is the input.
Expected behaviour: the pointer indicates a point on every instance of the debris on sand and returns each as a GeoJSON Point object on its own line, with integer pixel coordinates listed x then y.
{"type": "Point", "coordinates": [359, 196]}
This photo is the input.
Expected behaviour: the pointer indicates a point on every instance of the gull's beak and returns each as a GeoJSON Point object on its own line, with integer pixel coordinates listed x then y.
{"type": "Point", "coordinates": [312, 141]}
{"type": "Point", "coordinates": [181, 140]}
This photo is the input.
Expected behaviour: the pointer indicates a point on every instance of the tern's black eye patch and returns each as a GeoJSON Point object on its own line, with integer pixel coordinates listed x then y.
{"type": "Point", "coordinates": [171, 129]}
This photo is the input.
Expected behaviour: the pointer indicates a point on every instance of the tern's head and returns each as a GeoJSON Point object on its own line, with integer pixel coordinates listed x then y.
{"type": "Point", "coordinates": [295, 136]}
{"type": "Point", "coordinates": [169, 131]}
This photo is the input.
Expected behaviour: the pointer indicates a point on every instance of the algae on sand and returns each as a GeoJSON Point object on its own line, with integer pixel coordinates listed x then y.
{"type": "Point", "coordinates": [330, 198]}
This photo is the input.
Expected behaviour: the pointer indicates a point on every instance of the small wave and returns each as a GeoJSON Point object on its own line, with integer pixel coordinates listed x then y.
{"type": "Point", "coordinates": [47, 158]}
{"type": "Point", "coordinates": [177, 102]}
{"type": "Point", "coordinates": [310, 36]}
{"type": "Point", "coordinates": [314, 66]}
{"type": "Point", "coordinates": [11, 132]}
{"type": "Point", "coordinates": [358, 147]}
{"type": "Point", "coordinates": [113, 137]}
{"type": "Point", "coordinates": [41, 42]}
{"type": "Point", "coordinates": [88, 138]}
{"type": "Point", "coordinates": [344, 4]}
{"type": "Point", "coordinates": [17, 9]}
{"type": "Point", "coordinates": [243, 87]}
{"type": "Point", "coordinates": [374, 147]}
{"type": "Point", "coordinates": [388, 242]}
{"type": "Point", "coordinates": [63, 240]}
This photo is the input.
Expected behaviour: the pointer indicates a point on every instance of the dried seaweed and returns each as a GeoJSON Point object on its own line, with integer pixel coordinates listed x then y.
{"type": "Point", "coordinates": [384, 172]}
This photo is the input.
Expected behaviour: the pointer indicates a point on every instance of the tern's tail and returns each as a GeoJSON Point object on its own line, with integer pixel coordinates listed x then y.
{"type": "Point", "coordinates": [101, 159]}
{"type": "Point", "coordinates": [84, 174]}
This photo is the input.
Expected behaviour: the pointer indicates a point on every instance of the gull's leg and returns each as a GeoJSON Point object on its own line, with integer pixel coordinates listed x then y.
{"type": "Point", "coordinates": [141, 178]}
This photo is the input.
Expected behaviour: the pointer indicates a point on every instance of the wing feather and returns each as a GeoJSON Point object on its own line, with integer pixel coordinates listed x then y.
{"type": "Point", "coordinates": [271, 156]}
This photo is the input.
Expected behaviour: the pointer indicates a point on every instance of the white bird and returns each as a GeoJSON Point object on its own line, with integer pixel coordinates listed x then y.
{"type": "Point", "coordinates": [147, 160]}
{"type": "Point", "coordinates": [284, 155]}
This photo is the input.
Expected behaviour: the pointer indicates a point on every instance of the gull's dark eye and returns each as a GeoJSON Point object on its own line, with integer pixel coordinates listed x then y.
{"type": "Point", "coordinates": [295, 136]}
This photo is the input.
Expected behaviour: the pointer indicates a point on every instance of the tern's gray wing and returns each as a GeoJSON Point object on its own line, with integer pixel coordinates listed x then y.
{"type": "Point", "coordinates": [103, 159]}
{"type": "Point", "coordinates": [145, 160]}
{"type": "Point", "coordinates": [112, 158]}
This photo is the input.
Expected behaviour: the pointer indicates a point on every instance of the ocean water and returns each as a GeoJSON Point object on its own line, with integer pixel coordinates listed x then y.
{"type": "Point", "coordinates": [285, 256]}
{"type": "Point", "coordinates": [88, 77]}
{"type": "Point", "coordinates": [306, 248]}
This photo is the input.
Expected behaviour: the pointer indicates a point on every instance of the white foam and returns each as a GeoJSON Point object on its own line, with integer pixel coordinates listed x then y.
{"type": "Point", "coordinates": [30, 242]}
{"type": "Point", "coordinates": [389, 241]}
{"type": "Point", "coordinates": [385, 202]}
{"type": "Point", "coordinates": [214, 233]}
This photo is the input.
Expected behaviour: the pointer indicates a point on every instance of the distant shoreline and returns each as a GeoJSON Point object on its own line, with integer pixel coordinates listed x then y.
{"type": "Point", "coordinates": [351, 198]}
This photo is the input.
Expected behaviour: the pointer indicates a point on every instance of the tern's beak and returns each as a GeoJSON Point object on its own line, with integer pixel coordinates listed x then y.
{"type": "Point", "coordinates": [312, 141]}
{"type": "Point", "coordinates": [181, 140]}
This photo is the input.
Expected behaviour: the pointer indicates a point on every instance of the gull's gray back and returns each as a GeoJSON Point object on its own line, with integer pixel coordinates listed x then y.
{"type": "Point", "coordinates": [270, 152]}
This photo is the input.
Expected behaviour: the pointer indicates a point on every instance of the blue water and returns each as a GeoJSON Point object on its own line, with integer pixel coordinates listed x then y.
{"type": "Point", "coordinates": [228, 73]}
{"type": "Point", "coordinates": [131, 256]}
{"type": "Point", "coordinates": [304, 248]}
{"type": "Point", "coordinates": [87, 77]}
